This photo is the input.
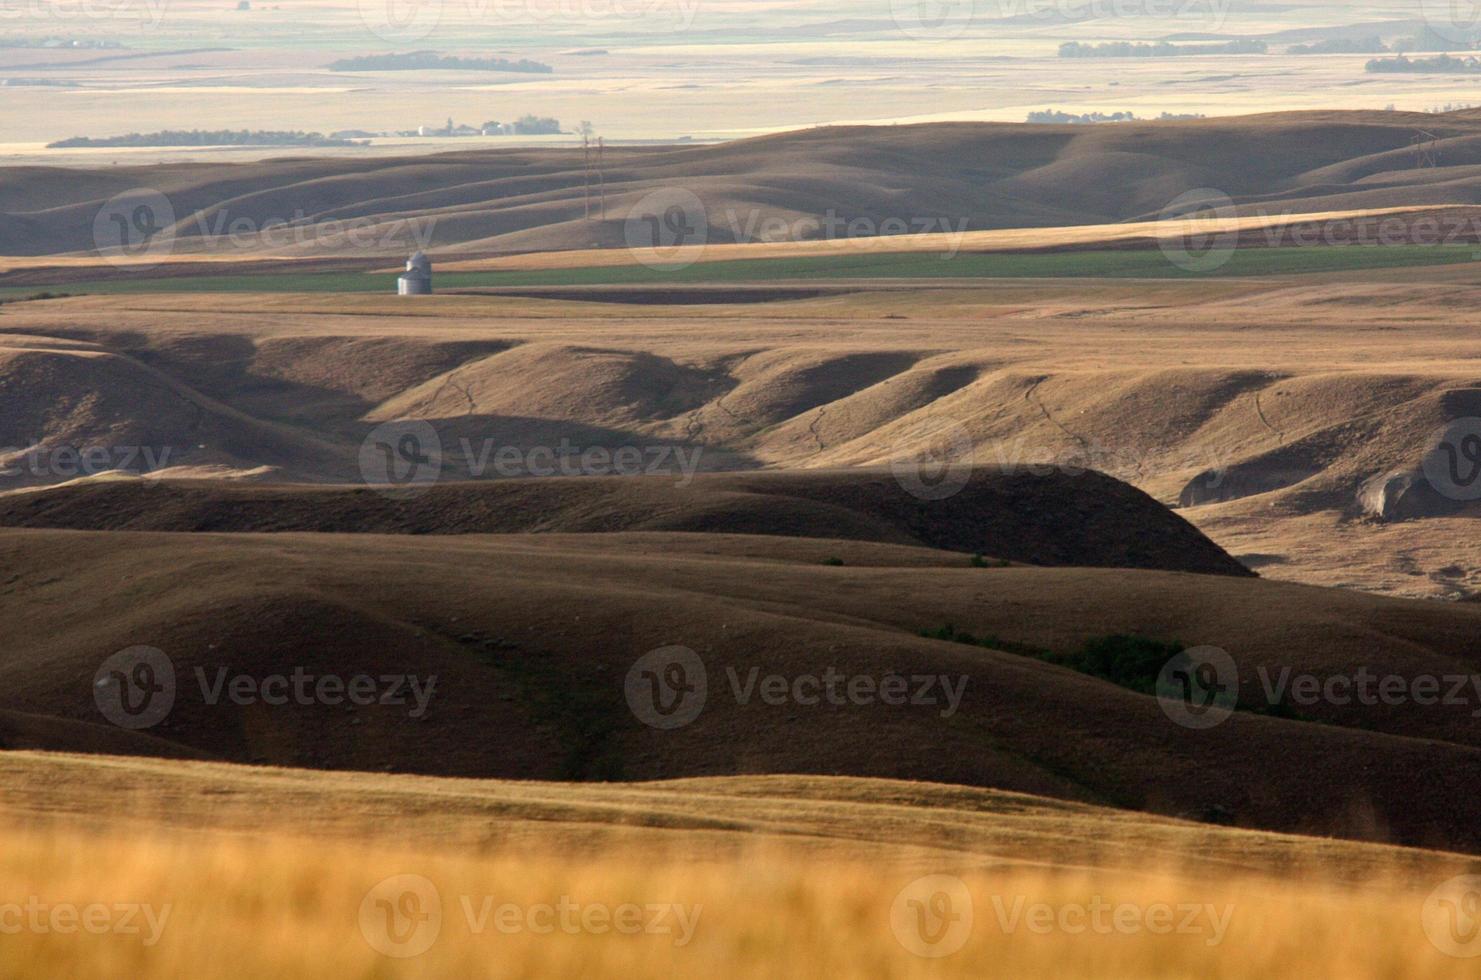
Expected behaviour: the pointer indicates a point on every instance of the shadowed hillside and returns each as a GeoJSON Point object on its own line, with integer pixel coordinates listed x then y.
{"type": "Point", "coordinates": [976, 176]}
{"type": "Point", "coordinates": [524, 644]}
{"type": "Point", "coordinates": [1085, 520]}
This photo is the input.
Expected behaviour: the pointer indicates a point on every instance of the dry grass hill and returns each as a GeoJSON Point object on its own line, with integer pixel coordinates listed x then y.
{"type": "Point", "coordinates": [531, 639]}
{"type": "Point", "coordinates": [986, 176]}
{"type": "Point", "coordinates": [760, 867]}
{"type": "Point", "coordinates": [1087, 520]}
{"type": "Point", "coordinates": [1286, 417]}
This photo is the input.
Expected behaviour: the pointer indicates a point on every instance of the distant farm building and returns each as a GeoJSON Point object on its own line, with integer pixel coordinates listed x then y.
{"type": "Point", "coordinates": [417, 279]}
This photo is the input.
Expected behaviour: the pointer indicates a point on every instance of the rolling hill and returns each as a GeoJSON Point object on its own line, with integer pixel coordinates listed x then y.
{"type": "Point", "coordinates": [897, 179]}
{"type": "Point", "coordinates": [1248, 406]}
{"type": "Point", "coordinates": [1088, 520]}
{"type": "Point", "coordinates": [530, 640]}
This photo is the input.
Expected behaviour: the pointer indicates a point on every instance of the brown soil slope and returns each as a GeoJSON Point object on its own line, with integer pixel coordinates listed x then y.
{"type": "Point", "coordinates": [531, 640]}
{"type": "Point", "coordinates": [1172, 388]}
{"type": "Point", "coordinates": [1057, 519]}
{"type": "Point", "coordinates": [990, 175]}
{"type": "Point", "coordinates": [1255, 406]}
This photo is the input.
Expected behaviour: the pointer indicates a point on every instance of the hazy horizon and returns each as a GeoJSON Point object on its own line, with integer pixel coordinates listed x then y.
{"type": "Point", "coordinates": [674, 69]}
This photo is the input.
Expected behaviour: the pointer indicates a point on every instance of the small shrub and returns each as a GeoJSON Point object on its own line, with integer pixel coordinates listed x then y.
{"type": "Point", "coordinates": [1132, 662]}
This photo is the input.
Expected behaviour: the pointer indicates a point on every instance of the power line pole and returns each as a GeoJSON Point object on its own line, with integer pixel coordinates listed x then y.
{"type": "Point", "coordinates": [586, 176]}
{"type": "Point", "coordinates": [1426, 149]}
{"type": "Point", "coordinates": [602, 172]}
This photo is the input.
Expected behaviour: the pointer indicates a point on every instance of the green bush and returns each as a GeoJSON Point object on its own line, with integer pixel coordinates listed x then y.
{"type": "Point", "coordinates": [1132, 662]}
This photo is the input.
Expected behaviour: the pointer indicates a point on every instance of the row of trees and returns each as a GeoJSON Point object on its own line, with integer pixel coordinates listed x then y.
{"type": "Point", "coordinates": [205, 137]}
{"type": "Point", "coordinates": [1443, 64]}
{"type": "Point", "coordinates": [1160, 49]}
{"type": "Point", "coordinates": [1055, 117]}
{"type": "Point", "coordinates": [432, 61]}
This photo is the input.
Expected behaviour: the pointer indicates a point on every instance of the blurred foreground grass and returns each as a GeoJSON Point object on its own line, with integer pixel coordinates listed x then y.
{"type": "Point", "coordinates": [145, 868]}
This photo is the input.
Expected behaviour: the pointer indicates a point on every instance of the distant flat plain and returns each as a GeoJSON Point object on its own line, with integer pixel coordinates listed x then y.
{"type": "Point", "coordinates": [669, 69]}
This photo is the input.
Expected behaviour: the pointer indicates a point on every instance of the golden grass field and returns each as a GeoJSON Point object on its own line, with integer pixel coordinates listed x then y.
{"type": "Point", "coordinates": [258, 872]}
{"type": "Point", "coordinates": [939, 243]}
{"type": "Point", "coordinates": [998, 240]}
{"type": "Point", "coordinates": [949, 244]}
